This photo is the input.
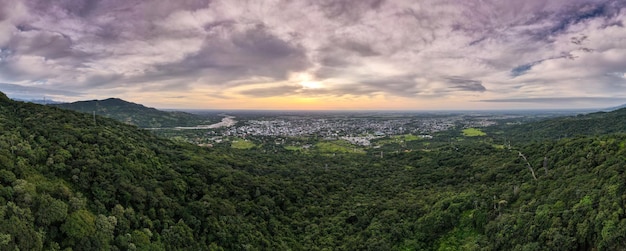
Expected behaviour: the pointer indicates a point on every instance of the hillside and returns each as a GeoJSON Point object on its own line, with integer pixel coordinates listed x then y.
{"type": "Point", "coordinates": [598, 123]}
{"type": "Point", "coordinates": [66, 182]}
{"type": "Point", "coordinates": [135, 114]}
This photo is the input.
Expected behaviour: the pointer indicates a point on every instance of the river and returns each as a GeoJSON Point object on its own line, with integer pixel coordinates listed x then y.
{"type": "Point", "coordinates": [227, 121]}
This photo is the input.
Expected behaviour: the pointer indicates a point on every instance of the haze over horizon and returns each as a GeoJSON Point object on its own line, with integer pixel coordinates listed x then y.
{"type": "Point", "coordinates": [319, 55]}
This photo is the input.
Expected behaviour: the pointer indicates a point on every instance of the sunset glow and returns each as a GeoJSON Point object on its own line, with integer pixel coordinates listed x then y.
{"type": "Point", "coordinates": [366, 54]}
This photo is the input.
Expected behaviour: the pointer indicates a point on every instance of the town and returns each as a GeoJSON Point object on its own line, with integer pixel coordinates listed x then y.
{"type": "Point", "coordinates": [355, 128]}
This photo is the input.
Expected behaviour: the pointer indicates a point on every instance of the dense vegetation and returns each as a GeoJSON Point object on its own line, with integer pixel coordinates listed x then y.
{"type": "Point", "coordinates": [598, 123]}
{"type": "Point", "coordinates": [135, 114]}
{"type": "Point", "coordinates": [67, 183]}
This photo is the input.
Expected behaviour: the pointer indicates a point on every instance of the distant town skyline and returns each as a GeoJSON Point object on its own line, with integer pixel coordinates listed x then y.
{"type": "Point", "coordinates": [317, 55]}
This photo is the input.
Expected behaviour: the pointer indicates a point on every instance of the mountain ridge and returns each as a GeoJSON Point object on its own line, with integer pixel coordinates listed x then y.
{"type": "Point", "coordinates": [590, 124]}
{"type": "Point", "coordinates": [616, 107]}
{"type": "Point", "coordinates": [135, 114]}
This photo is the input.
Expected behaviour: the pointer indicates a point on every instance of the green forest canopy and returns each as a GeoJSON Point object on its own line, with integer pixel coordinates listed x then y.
{"type": "Point", "coordinates": [69, 183]}
{"type": "Point", "coordinates": [135, 114]}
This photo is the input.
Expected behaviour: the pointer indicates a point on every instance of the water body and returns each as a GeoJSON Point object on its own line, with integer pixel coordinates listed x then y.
{"type": "Point", "coordinates": [227, 121]}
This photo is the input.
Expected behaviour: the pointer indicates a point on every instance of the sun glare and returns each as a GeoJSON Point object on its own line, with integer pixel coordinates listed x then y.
{"type": "Point", "coordinates": [306, 80]}
{"type": "Point", "coordinates": [311, 84]}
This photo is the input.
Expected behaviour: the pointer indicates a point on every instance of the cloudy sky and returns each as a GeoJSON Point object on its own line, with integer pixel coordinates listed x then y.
{"type": "Point", "coordinates": [317, 54]}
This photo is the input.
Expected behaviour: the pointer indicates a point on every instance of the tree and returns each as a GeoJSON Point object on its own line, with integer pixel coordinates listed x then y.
{"type": "Point", "coordinates": [50, 210]}
{"type": "Point", "coordinates": [178, 237]}
{"type": "Point", "coordinates": [79, 227]}
{"type": "Point", "coordinates": [104, 231]}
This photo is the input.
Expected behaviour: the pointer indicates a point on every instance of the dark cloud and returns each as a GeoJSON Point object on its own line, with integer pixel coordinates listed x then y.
{"type": "Point", "coordinates": [460, 84]}
{"type": "Point", "coordinates": [108, 21]}
{"type": "Point", "coordinates": [361, 49]}
{"type": "Point", "coordinates": [329, 62]}
{"type": "Point", "coordinates": [33, 92]}
{"type": "Point", "coordinates": [556, 100]}
{"type": "Point", "coordinates": [86, 8]}
{"type": "Point", "coordinates": [265, 92]}
{"type": "Point", "coordinates": [402, 85]}
{"type": "Point", "coordinates": [346, 89]}
{"type": "Point", "coordinates": [547, 24]}
{"type": "Point", "coordinates": [102, 79]}
{"type": "Point", "coordinates": [221, 24]}
{"type": "Point", "coordinates": [332, 64]}
{"type": "Point", "coordinates": [253, 52]}
{"type": "Point", "coordinates": [354, 47]}
{"type": "Point", "coordinates": [331, 67]}
{"type": "Point", "coordinates": [165, 86]}
{"type": "Point", "coordinates": [3, 10]}
{"type": "Point", "coordinates": [340, 54]}
{"type": "Point", "coordinates": [477, 41]}
{"type": "Point", "coordinates": [10, 70]}
{"type": "Point", "coordinates": [72, 7]}
{"type": "Point", "coordinates": [348, 10]}
{"type": "Point", "coordinates": [577, 13]}
{"type": "Point", "coordinates": [339, 51]}
{"type": "Point", "coordinates": [46, 44]}
{"type": "Point", "coordinates": [532, 20]}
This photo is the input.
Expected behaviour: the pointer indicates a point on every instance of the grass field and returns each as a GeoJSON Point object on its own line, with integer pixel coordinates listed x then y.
{"type": "Point", "coordinates": [497, 146]}
{"type": "Point", "coordinates": [473, 132]}
{"type": "Point", "coordinates": [242, 144]}
{"type": "Point", "coordinates": [407, 137]}
{"type": "Point", "coordinates": [398, 139]}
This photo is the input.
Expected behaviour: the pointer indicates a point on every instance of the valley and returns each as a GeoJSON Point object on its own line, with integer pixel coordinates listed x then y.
{"type": "Point", "coordinates": [73, 183]}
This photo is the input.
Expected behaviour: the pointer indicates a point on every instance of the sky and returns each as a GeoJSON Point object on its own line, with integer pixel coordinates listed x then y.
{"type": "Point", "coordinates": [317, 54]}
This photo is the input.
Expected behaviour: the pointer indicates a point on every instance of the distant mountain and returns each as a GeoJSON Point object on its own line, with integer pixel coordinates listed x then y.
{"type": "Point", "coordinates": [39, 101]}
{"type": "Point", "coordinates": [616, 107]}
{"type": "Point", "coordinates": [135, 114]}
{"type": "Point", "coordinates": [596, 123]}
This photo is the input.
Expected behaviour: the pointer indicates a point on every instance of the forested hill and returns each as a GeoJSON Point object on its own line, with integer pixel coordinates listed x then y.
{"type": "Point", "coordinates": [598, 123]}
{"type": "Point", "coordinates": [135, 114]}
{"type": "Point", "coordinates": [69, 184]}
